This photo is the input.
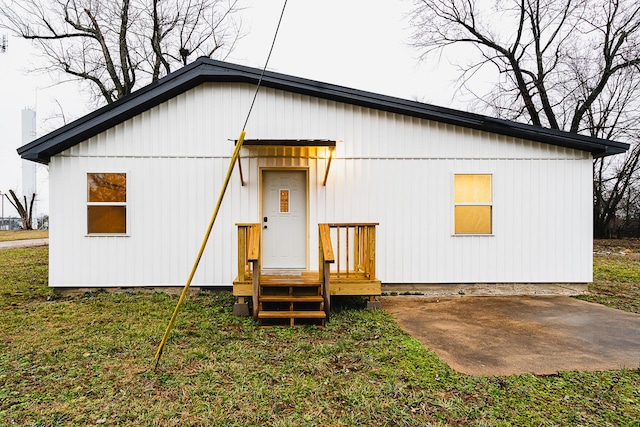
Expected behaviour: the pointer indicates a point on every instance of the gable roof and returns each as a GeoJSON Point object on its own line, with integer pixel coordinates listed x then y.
{"type": "Point", "coordinates": [208, 70]}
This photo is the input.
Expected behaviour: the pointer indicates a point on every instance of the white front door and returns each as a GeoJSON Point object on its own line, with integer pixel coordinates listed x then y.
{"type": "Point", "coordinates": [284, 219]}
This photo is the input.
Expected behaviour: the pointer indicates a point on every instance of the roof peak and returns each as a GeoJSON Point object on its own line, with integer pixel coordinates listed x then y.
{"type": "Point", "coordinates": [210, 70]}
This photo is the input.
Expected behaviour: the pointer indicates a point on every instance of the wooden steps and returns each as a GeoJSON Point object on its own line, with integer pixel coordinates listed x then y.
{"type": "Point", "coordinates": [290, 301]}
{"type": "Point", "coordinates": [293, 297]}
{"type": "Point", "coordinates": [292, 314]}
{"type": "Point", "coordinates": [285, 281]}
{"type": "Point", "coordinates": [283, 298]}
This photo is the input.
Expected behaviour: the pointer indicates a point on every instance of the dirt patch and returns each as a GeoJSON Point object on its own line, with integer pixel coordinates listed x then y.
{"type": "Point", "coordinates": [616, 246]}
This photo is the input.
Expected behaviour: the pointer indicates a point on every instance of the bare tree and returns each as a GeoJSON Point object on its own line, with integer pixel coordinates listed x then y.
{"type": "Point", "coordinates": [565, 64]}
{"type": "Point", "coordinates": [117, 46]}
{"type": "Point", "coordinates": [24, 210]}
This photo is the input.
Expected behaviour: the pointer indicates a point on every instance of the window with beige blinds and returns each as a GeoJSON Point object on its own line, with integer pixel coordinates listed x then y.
{"type": "Point", "coordinates": [106, 203]}
{"type": "Point", "coordinates": [473, 204]}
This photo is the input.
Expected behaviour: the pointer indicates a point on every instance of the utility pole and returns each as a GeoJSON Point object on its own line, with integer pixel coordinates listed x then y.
{"type": "Point", "coordinates": [3, 48]}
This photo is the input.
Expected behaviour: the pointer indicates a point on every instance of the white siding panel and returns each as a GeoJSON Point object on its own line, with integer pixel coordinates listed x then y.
{"type": "Point", "coordinates": [387, 168]}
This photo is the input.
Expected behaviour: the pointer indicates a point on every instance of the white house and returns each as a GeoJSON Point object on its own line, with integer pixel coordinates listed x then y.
{"type": "Point", "coordinates": [458, 198]}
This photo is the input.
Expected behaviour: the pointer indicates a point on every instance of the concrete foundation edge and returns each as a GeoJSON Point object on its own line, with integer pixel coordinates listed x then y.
{"type": "Point", "coordinates": [484, 289]}
{"type": "Point", "coordinates": [427, 289]}
{"type": "Point", "coordinates": [171, 290]}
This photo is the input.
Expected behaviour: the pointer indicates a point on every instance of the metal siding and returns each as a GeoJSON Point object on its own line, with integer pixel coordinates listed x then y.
{"type": "Point", "coordinates": [387, 168]}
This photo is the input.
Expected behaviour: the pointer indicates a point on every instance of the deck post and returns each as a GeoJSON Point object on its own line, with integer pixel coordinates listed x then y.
{"type": "Point", "coordinates": [325, 258]}
{"type": "Point", "coordinates": [248, 267]}
{"type": "Point", "coordinates": [242, 252]}
{"type": "Point", "coordinates": [253, 255]}
{"type": "Point", "coordinates": [256, 288]}
{"type": "Point", "coordinates": [371, 247]}
{"type": "Point", "coordinates": [373, 303]}
{"type": "Point", "coordinates": [327, 289]}
{"type": "Point", "coordinates": [240, 307]}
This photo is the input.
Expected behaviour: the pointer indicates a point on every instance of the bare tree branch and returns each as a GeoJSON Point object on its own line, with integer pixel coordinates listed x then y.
{"type": "Point", "coordinates": [115, 46]}
{"type": "Point", "coordinates": [565, 64]}
{"type": "Point", "coordinates": [26, 214]}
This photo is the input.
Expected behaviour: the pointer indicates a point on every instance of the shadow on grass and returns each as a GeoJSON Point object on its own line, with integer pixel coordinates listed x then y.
{"type": "Point", "coordinates": [344, 303]}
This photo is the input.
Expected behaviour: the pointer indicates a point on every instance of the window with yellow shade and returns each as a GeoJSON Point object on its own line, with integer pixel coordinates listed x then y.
{"type": "Point", "coordinates": [473, 204]}
{"type": "Point", "coordinates": [106, 203]}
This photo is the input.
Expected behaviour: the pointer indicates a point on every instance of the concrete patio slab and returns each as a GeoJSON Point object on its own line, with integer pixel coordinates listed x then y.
{"type": "Point", "coordinates": [518, 334]}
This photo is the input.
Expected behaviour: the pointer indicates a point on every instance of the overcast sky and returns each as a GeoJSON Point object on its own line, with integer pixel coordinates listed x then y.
{"type": "Point", "coordinates": [354, 43]}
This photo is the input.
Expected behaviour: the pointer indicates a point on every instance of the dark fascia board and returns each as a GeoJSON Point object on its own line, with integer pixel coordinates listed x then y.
{"type": "Point", "coordinates": [288, 143]}
{"type": "Point", "coordinates": [208, 70]}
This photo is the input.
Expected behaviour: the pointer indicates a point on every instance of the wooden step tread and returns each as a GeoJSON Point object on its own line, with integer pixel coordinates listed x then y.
{"type": "Point", "coordinates": [292, 314]}
{"type": "Point", "coordinates": [288, 298]}
{"type": "Point", "coordinates": [286, 282]}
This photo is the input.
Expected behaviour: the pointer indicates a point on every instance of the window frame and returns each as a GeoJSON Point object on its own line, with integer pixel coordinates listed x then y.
{"type": "Point", "coordinates": [454, 204]}
{"type": "Point", "coordinates": [127, 174]}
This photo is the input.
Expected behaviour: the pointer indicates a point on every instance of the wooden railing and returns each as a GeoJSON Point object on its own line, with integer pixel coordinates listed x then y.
{"type": "Point", "coordinates": [325, 259]}
{"type": "Point", "coordinates": [354, 256]}
{"type": "Point", "coordinates": [355, 250]}
{"type": "Point", "coordinates": [350, 247]}
{"type": "Point", "coordinates": [249, 259]}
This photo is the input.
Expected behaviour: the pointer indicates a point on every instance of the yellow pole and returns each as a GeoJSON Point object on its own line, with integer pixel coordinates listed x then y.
{"type": "Point", "coordinates": [234, 158]}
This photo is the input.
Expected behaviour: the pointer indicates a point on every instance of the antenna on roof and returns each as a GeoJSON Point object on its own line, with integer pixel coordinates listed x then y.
{"type": "Point", "coordinates": [3, 44]}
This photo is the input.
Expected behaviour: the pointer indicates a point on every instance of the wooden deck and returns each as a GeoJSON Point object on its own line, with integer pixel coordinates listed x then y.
{"type": "Point", "coordinates": [354, 285]}
{"type": "Point", "coordinates": [304, 298]}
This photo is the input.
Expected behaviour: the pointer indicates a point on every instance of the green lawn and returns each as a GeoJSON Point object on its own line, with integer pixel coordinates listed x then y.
{"type": "Point", "coordinates": [88, 360]}
{"type": "Point", "coordinates": [617, 280]}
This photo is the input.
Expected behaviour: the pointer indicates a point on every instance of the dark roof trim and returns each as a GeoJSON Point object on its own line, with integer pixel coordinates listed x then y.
{"type": "Point", "coordinates": [288, 143]}
{"type": "Point", "coordinates": [208, 70]}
